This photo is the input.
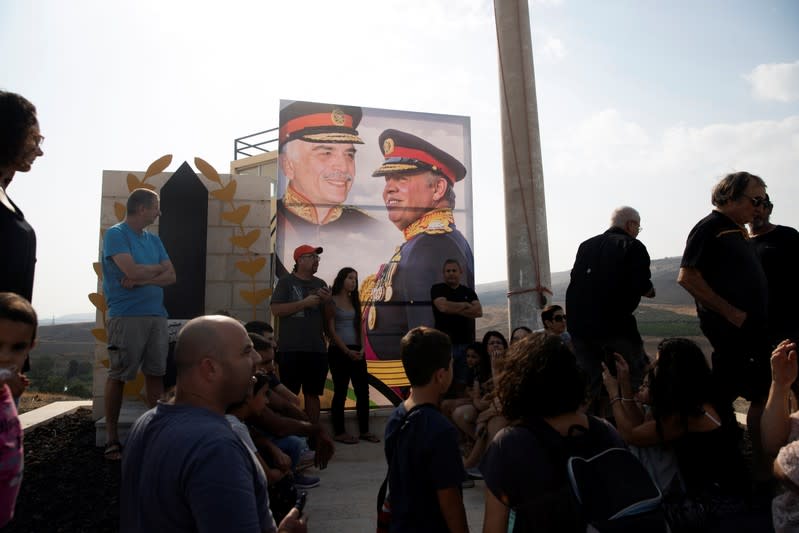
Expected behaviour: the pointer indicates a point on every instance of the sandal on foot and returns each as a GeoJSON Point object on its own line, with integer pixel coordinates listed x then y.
{"type": "Point", "coordinates": [113, 451]}
{"type": "Point", "coordinates": [345, 438]}
{"type": "Point", "coordinates": [371, 437]}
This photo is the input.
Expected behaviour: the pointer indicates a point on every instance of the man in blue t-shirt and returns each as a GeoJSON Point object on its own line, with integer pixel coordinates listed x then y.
{"type": "Point", "coordinates": [425, 466]}
{"type": "Point", "coordinates": [136, 267]}
{"type": "Point", "coordinates": [184, 469]}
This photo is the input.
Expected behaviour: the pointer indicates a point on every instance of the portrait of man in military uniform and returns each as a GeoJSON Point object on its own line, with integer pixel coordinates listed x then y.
{"type": "Point", "coordinates": [419, 198]}
{"type": "Point", "coordinates": [317, 159]}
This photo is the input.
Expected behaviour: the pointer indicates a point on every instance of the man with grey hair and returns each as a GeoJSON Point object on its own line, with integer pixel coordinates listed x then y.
{"type": "Point", "coordinates": [136, 268]}
{"type": "Point", "coordinates": [723, 273]}
{"type": "Point", "coordinates": [609, 277]}
{"type": "Point", "coordinates": [317, 158]}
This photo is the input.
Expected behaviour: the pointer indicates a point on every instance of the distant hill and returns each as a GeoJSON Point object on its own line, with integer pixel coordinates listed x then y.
{"type": "Point", "coordinates": [664, 278]}
{"type": "Point", "coordinates": [73, 318]}
{"type": "Point", "coordinates": [669, 313]}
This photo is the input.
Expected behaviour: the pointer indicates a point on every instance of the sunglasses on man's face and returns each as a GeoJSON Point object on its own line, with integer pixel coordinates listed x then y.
{"type": "Point", "coordinates": [559, 318]}
{"type": "Point", "coordinates": [757, 201]}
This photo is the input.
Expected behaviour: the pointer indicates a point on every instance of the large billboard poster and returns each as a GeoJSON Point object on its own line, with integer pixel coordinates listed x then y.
{"type": "Point", "coordinates": [385, 192]}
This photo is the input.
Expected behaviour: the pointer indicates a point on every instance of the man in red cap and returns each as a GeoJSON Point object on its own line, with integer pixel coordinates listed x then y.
{"type": "Point", "coordinates": [420, 199]}
{"type": "Point", "coordinates": [317, 157]}
{"type": "Point", "coordinates": [298, 302]}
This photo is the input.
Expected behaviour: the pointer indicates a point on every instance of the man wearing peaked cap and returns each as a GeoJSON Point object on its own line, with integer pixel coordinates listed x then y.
{"type": "Point", "coordinates": [317, 157]}
{"type": "Point", "coordinates": [419, 198]}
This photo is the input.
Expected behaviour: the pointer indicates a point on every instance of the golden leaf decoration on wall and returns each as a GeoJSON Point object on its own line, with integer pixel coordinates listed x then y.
{"type": "Point", "coordinates": [247, 240]}
{"type": "Point", "coordinates": [251, 268]}
{"type": "Point", "coordinates": [207, 170]}
{"type": "Point", "coordinates": [98, 269]}
{"type": "Point", "coordinates": [133, 389]}
{"type": "Point", "coordinates": [255, 297]}
{"type": "Point", "coordinates": [226, 193]}
{"type": "Point", "coordinates": [158, 166]}
{"type": "Point", "coordinates": [120, 211]}
{"type": "Point", "coordinates": [100, 334]}
{"type": "Point", "coordinates": [133, 182]}
{"type": "Point", "coordinates": [236, 216]}
{"type": "Point", "coordinates": [99, 301]}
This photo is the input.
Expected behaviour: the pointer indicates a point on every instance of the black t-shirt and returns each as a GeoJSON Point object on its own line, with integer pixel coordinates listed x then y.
{"type": "Point", "coordinates": [720, 249]}
{"type": "Point", "coordinates": [18, 243]}
{"type": "Point", "coordinates": [778, 251]}
{"type": "Point", "coordinates": [519, 466]}
{"type": "Point", "coordinates": [459, 328]}
{"type": "Point", "coordinates": [426, 459]}
{"type": "Point", "coordinates": [302, 331]}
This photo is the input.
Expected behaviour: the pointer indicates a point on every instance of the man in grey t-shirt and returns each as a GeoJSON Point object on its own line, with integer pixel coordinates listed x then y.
{"type": "Point", "coordinates": [298, 302]}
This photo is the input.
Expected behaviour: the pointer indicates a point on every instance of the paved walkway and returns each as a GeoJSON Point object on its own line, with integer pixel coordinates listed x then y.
{"type": "Point", "coordinates": [347, 498]}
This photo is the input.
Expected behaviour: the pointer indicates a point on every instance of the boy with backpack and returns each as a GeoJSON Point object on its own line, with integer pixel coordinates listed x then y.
{"type": "Point", "coordinates": [425, 469]}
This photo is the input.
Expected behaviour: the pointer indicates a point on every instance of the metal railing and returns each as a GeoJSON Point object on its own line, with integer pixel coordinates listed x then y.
{"type": "Point", "coordinates": [255, 144]}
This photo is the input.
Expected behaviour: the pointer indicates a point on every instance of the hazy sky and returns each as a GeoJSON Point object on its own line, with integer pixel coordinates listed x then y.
{"type": "Point", "coordinates": [641, 103]}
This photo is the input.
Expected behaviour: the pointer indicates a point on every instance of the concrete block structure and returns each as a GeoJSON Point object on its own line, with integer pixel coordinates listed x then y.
{"type": "Point", "coordinates": [236, 237]}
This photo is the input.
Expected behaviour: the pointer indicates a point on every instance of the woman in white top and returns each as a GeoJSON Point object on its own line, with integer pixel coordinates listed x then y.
{"type": "Point", "coordinates": [343, 321]}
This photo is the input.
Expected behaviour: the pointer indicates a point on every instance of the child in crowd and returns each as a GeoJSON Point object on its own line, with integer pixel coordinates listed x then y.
{"type": "Point", "coordinates": [281, 400]}
{"type": "Point", "coordinates": [424, 465]}
{"type": "Point", "coordinates": [239, 413]}
{"type": "Point", "coordinates": [463, 411]}
{"type": "Point", "coordinates": [271, 461]}
{"type": "Point", "coordinates": [660, 461]}
{"type": "Point", "coordinates": [489, 418]}
{"type": "Point", "coordinates": [17, 338]}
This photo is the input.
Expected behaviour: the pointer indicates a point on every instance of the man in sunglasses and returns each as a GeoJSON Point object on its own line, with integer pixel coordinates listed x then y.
{"type": "Point", "coordinates": [722, 272]}
{"type": "Point", "coordinates": [778, 249]}
{"type": "Point", "coordinates": [554, 320]}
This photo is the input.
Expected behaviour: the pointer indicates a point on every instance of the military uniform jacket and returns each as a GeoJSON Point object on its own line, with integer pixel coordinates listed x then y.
{"type": "Point", "coordinates": [298, 223]}
{"type": "Point", "coordinates": [400, 298]}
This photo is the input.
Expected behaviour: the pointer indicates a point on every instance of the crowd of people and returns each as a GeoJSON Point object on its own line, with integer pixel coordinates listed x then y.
{"type": "Point", "coordinates": [592, 388]}
{"type": "Point", "coordinates": [231, 444]}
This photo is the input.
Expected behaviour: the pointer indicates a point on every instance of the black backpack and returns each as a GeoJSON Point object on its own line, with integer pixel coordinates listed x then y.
{"type": "Point", "coordinates": [383, 498]}
{"type": "Point", "coordinates": [607, 490]}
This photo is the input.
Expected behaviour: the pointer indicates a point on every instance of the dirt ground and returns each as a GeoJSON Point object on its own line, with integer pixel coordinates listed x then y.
{"type": "Point", "coordinates": [67, 486]}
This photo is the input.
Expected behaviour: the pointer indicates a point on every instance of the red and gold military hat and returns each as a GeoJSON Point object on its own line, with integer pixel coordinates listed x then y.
{"type": "Point", "coordinates": [319, 123]}
{"type": "Point", "coordinates": [408, 154]}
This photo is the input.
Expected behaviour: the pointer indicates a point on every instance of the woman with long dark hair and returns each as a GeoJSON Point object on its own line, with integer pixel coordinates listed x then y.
{"type": "Point", "coordinates": [541, 390]}
{"type": "Point", "coordinates": [688, 416]}
{"type": "Point", "coordinates": [343, 321]}
{"type": "Point", "coordinates": [20, 145]}
{"type": "Point", "coordinates": [490, 418]}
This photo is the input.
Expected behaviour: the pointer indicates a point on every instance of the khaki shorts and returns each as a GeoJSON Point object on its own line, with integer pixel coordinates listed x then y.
{"type": "Point", "coordinates": [135, 341]}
